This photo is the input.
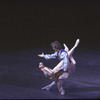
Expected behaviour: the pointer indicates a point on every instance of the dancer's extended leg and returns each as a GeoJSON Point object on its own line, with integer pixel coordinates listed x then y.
{"type": "Point", "coordinates": [48, 87]}
{"type": "Point", "coordinates": [70, 52]}
{"type": "Point", "coordinates": [56, 68]}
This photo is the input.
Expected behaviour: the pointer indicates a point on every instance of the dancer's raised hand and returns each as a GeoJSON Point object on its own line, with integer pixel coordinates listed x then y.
{"type": "Point", "coordinates": [41, 55]}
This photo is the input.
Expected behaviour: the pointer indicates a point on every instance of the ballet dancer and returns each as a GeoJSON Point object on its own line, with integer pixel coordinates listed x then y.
{"type": "Point", "coordinates": [59, 74]}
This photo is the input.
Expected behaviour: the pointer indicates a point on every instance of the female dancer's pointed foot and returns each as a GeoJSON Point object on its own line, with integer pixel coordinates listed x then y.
{"type": "Point", "coordinates": [77, 42]}
{"type": "Point", "coordinates": [62, 92]}
{"type": "Point", "coordinates": [66, 48]}
{"type": "Point", "coordinates": [48, 87]}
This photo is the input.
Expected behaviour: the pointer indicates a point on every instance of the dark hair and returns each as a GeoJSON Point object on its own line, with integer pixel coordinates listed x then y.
{"type": "Point", "coordinates": [56, 45]}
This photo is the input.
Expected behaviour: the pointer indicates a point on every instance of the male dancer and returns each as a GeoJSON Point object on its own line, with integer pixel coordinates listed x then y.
{"type": "Point", "coordinates": [58, 74]}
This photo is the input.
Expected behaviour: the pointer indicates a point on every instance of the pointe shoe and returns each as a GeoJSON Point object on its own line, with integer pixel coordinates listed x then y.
{"type": "Point", "coordinates": [77, 42]}
{"type": "Point", "coordinates": [62, 92]}
{"type": "Point", "coordinates": [46, 88]}
{"type": "Point", "coordinates": [66, 48]}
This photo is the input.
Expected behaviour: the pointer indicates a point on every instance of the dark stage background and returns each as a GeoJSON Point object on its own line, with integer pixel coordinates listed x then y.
{"type": "Point", "coordinates": [27, 28]}
{"type": "Point", "coordinates": [36, 23]}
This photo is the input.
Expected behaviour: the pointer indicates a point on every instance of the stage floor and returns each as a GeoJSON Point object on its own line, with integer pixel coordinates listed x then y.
{"type": "Point", "coordinates": [20, 77]}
